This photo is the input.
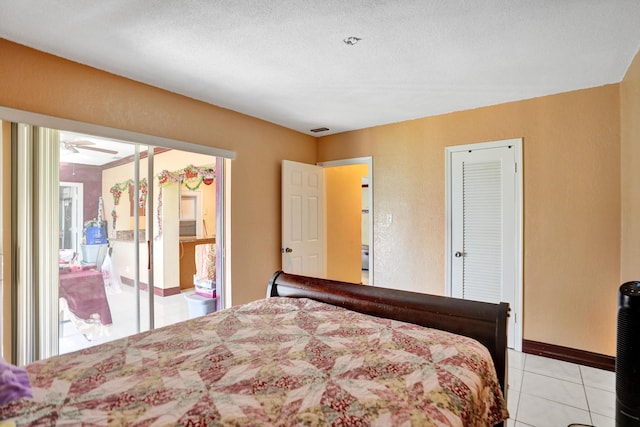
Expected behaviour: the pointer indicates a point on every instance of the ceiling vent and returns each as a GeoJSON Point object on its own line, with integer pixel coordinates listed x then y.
{"type": "Point", "coordinates": [316, 130]}
{"type": "Point", "coordinates": [350, 41]}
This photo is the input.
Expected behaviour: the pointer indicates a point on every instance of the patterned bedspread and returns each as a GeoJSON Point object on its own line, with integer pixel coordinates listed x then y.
{"type": "Point", "coordinates": [278, 362]}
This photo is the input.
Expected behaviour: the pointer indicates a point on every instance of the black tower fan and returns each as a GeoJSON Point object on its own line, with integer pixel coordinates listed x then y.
{"type": "Point", "coordinates": [628, 356]}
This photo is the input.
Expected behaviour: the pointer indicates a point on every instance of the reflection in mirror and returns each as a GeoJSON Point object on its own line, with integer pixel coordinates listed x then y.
{"type": "Point", "coordinates": [97, 185]}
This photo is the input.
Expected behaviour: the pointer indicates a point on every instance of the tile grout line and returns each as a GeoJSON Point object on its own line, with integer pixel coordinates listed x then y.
{"type": "Point", "coordinates": [560, 403]}
{"type": "Point", "coordinates": [559, 379]}
{"type": "Point", "coordinates": [586, 398]}
{"type": "Point", "coordinates": [524, 361]}
{"type": "Point", "coordinates": [599, 385]}
{"type": "Point", "coordinates": [515, 417]}
{"type": "Point", "coordinates": [555, 378]}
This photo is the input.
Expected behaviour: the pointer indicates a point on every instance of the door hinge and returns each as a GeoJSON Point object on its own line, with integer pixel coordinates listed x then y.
{"type": "Point", "coordinates": [515, 167]}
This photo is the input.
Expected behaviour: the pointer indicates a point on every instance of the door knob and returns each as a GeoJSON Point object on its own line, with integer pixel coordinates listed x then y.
{"type": "Point", "coordinates": [458, 254]}
{"type": "Point", "coordinates": [286, 250]}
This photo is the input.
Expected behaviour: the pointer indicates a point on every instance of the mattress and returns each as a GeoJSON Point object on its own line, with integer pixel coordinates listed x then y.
{"type": "Point", "coordinates": [276, 361]}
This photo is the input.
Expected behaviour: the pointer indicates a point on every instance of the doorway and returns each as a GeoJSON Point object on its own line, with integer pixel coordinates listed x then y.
{"type": "Point", "coordinates": [347, 206]}
{"type": "Point", "coordinates": [484, 226]}
{"type": "Point", "coordinates": [71, 215]}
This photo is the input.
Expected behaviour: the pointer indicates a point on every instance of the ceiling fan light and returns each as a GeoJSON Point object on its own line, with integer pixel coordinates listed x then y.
{"type": "Point", "coordinates": [69, 147]}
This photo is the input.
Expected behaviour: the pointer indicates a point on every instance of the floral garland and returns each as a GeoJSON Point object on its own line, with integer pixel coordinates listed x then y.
{"type": "Point", "coordinates": [100, 208]}
{"type": "Point", "coordinates": [191, 176]}
{"type": "Point", "coordinates": [117, 189]}
{"type": "Point", "coordinates": [159, 215]}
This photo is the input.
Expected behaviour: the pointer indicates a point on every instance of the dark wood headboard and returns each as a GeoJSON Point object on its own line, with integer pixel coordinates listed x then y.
{"type": "Point", "coordinates": [482, 321]}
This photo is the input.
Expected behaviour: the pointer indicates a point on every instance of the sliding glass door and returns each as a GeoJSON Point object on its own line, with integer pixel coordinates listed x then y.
{"type": "Point", "coordinates": [130, 233]}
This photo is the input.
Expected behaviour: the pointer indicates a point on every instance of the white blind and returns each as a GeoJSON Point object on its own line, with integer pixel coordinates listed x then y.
{"type": "Point", "coordinates": [36, 180]}
{"type": "Point", "coordinates": [482, 217]}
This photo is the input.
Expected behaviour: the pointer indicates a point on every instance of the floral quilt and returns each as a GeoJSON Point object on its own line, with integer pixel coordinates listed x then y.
{"type": "Point", "coordinates": [273, 362]}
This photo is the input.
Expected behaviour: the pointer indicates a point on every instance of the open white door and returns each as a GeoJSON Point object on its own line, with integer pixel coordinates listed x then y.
{"type": "Point", "coordinates": [303, 211]}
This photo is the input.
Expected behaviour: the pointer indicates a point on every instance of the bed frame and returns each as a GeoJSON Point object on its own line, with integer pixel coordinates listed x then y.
{"type": "Point", "coordinates": [485, 322]}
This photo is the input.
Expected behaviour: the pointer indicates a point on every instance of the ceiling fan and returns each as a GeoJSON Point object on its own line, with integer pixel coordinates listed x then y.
{"type": "Point", "coordinates": [74, 146]}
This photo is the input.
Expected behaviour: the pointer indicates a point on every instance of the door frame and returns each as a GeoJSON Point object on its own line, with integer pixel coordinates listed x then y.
{"type": "Point", "coordinates": [79, 214]}
{"type": "Point", "coordinates": [196, 196]}
{"type": "Point", "coordinates": [516, 143]}
{"type": "Point", "coordinates": [369, 162]}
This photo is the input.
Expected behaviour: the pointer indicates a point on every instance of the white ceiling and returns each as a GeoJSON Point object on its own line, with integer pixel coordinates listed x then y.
{"type": "Point", "coordinates": [284, 61]}
{"type": "Point", "coordinates": [86, 149]}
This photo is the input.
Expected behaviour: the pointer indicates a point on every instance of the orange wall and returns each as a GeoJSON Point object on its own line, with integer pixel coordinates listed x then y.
{"type": "Point", "coordinates": [571, 205]}
{"type": "Point", "coordinates": [630, 146]}
{"type": "Point", "coordinates": [37, 82]}
{"type": "Point", "coordinates": [343, 186]}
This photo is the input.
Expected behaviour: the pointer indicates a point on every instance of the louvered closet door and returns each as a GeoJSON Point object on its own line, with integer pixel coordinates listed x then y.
{"type": "Point", "coordinates": [482, 238]}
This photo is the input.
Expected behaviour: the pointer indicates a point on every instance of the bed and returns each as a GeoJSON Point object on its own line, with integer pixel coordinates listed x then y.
{"type": "Point", "coordinates": [314, 352]}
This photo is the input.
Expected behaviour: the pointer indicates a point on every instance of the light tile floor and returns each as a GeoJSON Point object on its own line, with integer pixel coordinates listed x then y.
{"type": "Point", "coordinates": [546, 392]}
{"type": "Point", "coordinates": [167, 310]}
{"type": "Point", "coordinates": [542, 392]}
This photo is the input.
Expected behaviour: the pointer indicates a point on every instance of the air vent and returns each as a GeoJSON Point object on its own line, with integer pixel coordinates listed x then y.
{"type": "Point", "coordinates": [316, 130]}
{"type": "Point", "coordinates": [350, 41]}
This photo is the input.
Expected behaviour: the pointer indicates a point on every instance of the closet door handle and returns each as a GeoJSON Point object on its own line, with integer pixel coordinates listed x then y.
{"type": "Point", "coordinates": [458, 254]}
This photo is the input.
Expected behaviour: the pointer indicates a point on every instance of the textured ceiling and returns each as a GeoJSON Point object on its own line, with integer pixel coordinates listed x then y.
{"type": "Point", "coordinates": [284, 61]}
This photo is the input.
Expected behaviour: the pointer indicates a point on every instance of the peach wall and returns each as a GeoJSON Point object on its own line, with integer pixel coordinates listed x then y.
{"type": "Point", "coordinates": [571, 205]}
{"type": "Point", "coordinates": [630, 147]}
{"type": "Point", "coordinates": [571, 182]}
{"type": "Point", "coordinates": [41, 83]}
{"type": "Point", "coordinates": [343, 185]}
